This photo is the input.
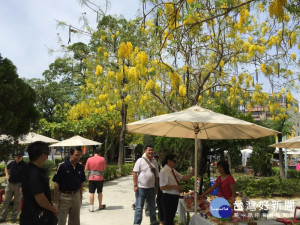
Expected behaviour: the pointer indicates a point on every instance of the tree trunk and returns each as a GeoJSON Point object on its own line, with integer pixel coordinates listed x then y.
{"type": "Point", "coordinates": [122, 134]}
{"type": "Point", "coordinates": [281, 166]}
{"type": "Point", "coordinates": [106, 147]}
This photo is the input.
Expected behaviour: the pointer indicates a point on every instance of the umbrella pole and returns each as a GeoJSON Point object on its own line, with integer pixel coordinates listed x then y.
{"type": "Point", "coordinates": [196, 171]}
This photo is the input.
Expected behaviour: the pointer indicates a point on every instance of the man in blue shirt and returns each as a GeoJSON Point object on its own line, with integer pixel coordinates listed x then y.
{"type": "Point", "coordinates": [68, 188]}
{"type": "Point", "coordinates": [13, 173]}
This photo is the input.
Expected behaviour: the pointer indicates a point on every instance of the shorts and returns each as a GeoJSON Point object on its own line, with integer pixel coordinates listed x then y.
{"type": "Point", "coordinates": [95, 184]}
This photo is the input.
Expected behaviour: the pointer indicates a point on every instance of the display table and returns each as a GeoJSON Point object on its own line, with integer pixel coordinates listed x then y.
{"type": "Point", "coordinates": [267, 222]}
{"type": "Point", "coordinates": [197, 219]}
{"type": "Point", "coordinates": [184, 212]}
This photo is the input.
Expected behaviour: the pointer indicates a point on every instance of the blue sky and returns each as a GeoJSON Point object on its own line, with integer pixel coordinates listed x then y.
{"type": "Point", "coordinates": [29, 28]}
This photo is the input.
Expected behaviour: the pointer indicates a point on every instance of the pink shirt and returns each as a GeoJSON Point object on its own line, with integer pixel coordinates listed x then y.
{"type": "Point", "coordinates": [95, 163]}
{"type": "Point", "coordinates": [224, 189]}
{"type": "Point", "coordinates": [298, 167]}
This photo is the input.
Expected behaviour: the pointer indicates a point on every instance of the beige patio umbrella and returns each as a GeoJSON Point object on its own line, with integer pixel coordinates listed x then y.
{"type": "Point", "coordinates": [290, 143]}
{"type": "Point", "coordinates": [199, 123]}
{"type": "Point", "coordinates": [29, 138]}
{"type": "Point", "coordinates": [289, 151]}
{"type": "Point", "coordinates": [32, 137]}
{"type": "Point", "coordinates": [76, 141]}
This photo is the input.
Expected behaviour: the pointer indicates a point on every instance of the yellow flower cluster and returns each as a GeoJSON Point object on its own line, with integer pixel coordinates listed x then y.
{"type": "Point", "coordinates": [190, 1]}
{"type": "Point", "coordinates": [264, 30]}
{"type": "Point", "coordinates": [127, 99]}
{"type": "Point", "coordinates": [81, 109]}
{"type": "Point", "coordinates": [103, 98]}
{"type": "Point", "coordinates": [172, 14]}
{"type": "Point", "coordinates": [248, 80]}
{"type": "Point", "coordinates": [149, 23]}
{"type": "Point", "coordinates": [157, 87]}
{"type": "Point", "coordinates": [110, 74]}
{"type": "Point", "coordinates": [276, 8]}
{"type": "Point", "coordinates": [150, 85]}
{"type": "Point", "coordinates": [99, 70]}
{"type": "Point", "coordinates": [273, 107]}
{"type": "Point", "coordinates": [221, 63]}
{"type": "Point", "coordinates": [125, 50]}
{"type": "Point", "coordinates": [273, 40]}
{"type": "Point", "coordinates": [263, 68]}
{"type": "Point", "coordinates": [119, 77]}
{"type": "Point", "coordinates": [133, 74]}
{"type": "Point", "coordinates": [293, 55]}
{"type": "Point", "coordinates": [244, 14]}
{"type": "Point", "coordinates": [142, 58]}
{"type": "Point", "coordinates": [193, 18]}
{"type": "Point", "coordinates": [293, 39]}
{"type": "Point", "coordinates": [176, 79]}
{"type": "Point", "coordinates": [105, 54]}
{"type": "Point", "coordinates": [289, 97]}
{"type": "Point", "coordinates": [182, 90]}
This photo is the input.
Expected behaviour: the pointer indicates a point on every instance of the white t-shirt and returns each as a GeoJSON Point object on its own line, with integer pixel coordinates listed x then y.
{"type": "Point", "coordinates": [166, 177]}
{"type": "Point", "coordinates": [146, 178]}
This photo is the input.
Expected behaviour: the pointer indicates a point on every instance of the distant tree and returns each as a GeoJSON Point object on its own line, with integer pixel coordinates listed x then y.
{"type": "Point", "coordinates": [17, 99]}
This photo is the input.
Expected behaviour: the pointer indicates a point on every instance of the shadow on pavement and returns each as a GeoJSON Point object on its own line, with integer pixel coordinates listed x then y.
{"type": "Point", "coordinates": [113, 207]}
{"type": "Point", "coordinates": [110, 183]}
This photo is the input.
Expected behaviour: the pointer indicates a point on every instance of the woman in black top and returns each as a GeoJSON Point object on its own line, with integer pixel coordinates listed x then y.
{"type": "Point", "coordinates": [37, 207]}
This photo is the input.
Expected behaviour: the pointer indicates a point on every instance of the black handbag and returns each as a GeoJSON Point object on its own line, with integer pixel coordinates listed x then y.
{"type": "Point", "coordinates": [45, 217]}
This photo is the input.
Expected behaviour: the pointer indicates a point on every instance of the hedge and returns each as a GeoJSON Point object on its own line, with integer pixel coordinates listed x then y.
{"type": "Point", "coordinates": [291, 173]}
{"type": "Point", "coordinates": [114, 171]}
{"type": "Point", "coordinates": [268, 187]}
{"type": "Point", "coordinates": [2, 169]}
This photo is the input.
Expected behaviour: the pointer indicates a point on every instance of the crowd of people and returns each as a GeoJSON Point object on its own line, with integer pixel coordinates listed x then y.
{"type": "Point", "coordinates": [149, 180]}
{"type": "Point", "coordinates": [158, 186]}
{"type": "Point", "coordinates": [30, 182]}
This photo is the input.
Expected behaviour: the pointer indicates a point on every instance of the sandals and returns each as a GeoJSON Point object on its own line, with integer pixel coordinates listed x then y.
{"type": "Point", "coordinates": [103, 207]}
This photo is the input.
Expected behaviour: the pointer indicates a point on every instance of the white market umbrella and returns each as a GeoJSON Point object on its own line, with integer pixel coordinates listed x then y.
{"type": "Point", "coordinates": [32, 137]}
{"type": "Point", "coordinates": [290, 143]}
{"type": "Point", "coordinates": [76, 141]}
{"type": "Point", "coordinates": [199, 123]}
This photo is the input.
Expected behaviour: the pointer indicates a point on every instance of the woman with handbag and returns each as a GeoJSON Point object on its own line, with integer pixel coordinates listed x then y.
{"type": "Point", "coordinates": [37, 207]}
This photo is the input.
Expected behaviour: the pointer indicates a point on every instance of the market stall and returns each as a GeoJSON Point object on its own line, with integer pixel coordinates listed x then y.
{"type": "Point", "coordinates": [198, 219]}
{"type": "Point", "coordinates": [240, 215]}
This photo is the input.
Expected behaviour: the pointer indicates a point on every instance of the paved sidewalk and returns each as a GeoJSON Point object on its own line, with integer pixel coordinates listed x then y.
{"type": "Point", "coordinates": [118, 195]}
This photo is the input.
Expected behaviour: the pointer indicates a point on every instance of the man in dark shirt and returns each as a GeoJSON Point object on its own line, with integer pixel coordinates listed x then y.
{"type": "Point", "coordinates": [36, 189]}
{"type": "Point", "coordinates": [13, 173]}
{"type": "Point", "coordinates": [68, 188]}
